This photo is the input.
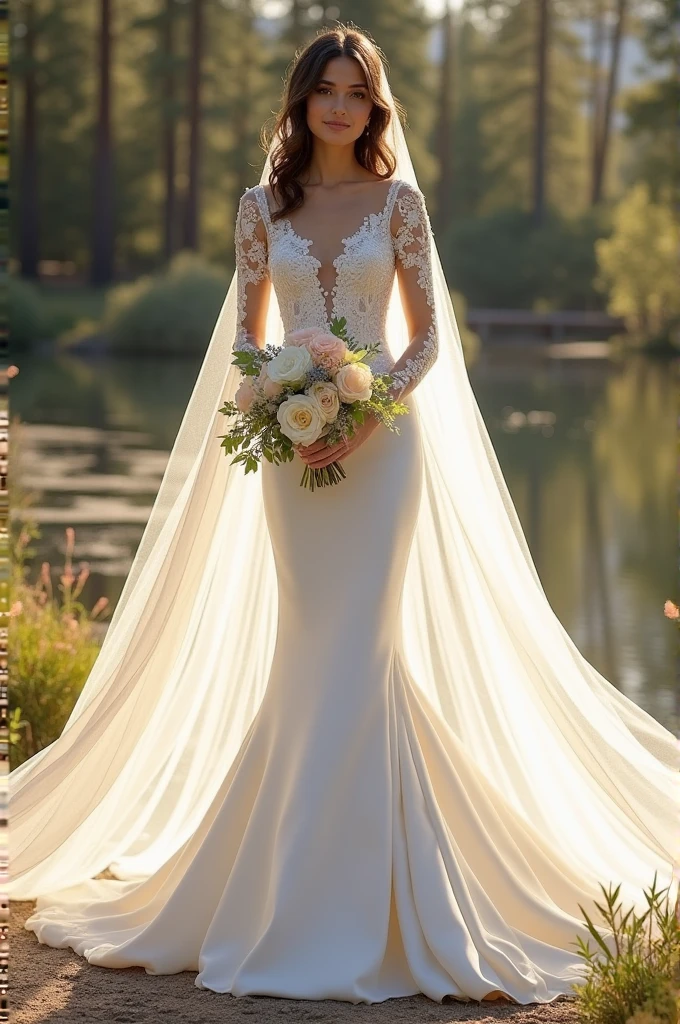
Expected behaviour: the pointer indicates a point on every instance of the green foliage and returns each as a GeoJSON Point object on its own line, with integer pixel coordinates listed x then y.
{"type": "Point", "coordinates": [652, 106]}
{"type": "Point", "coordinates": [503, 260]}
{"type": "Point", "coordinates": [173, 312]}
{"type": "Point", "coordinates": [39, 313]}
{"type": "Point", "coordinates": [27, 314]}
{"type": "Point", "coordinates": [638, 265]}
{"type": "Point", "coordinates": [53, 646]}
{"type": "Point", "coordinates": [633, 973]}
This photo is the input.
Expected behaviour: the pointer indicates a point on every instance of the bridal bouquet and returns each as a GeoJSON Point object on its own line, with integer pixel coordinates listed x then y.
{"type": "Point", "coordinates": [315, 385]}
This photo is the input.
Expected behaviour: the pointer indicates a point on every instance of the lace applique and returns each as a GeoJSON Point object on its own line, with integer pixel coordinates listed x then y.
{"type": "Point", "coordinates": [411, 244]}
{"type": "Point", "coordinates": [251, 264]}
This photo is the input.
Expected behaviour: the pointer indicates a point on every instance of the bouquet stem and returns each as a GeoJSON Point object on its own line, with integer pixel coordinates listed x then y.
{"type": "Point", "coordinates": [326, 477]}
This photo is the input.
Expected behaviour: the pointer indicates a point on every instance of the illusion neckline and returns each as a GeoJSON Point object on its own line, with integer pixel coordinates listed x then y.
{"type": "Point", "coordinates": [336, 263]}
{"type": "Point", "coordinates": [345, 241]}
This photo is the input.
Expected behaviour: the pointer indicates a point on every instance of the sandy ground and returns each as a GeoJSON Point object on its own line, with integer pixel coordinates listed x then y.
{"type": "Point", "coordinates": [55, 986]}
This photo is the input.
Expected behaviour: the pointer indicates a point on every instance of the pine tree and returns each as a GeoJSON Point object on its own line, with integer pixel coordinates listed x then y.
{"type": "Point", "coordinates": [102, 223]}
{"type": "Point", "coordinates": [532, 125]}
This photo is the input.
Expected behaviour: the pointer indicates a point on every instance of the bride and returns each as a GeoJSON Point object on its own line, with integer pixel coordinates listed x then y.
{"type": "Point", "coordinates": [337, 744]}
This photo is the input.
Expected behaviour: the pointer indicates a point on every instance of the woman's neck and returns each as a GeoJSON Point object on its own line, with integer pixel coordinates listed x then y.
{"type": "Point", "coordinates": [333, 165]}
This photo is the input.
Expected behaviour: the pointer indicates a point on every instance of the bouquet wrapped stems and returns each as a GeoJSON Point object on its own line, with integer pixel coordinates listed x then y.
{"type": "Point", "coordinates": [324, 477]}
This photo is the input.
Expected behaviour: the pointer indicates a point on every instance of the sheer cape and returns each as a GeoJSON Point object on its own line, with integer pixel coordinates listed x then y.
{"type": "Point", "coordinates": [185, 661]}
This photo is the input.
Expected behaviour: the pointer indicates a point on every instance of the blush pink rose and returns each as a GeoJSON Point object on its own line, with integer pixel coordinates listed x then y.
{"type": "Point", "coordinates": [327, 351]}
{"type": "Point", "coordinates": [245, 396]}
{"type": "Point", "coordinates": [270, 388]}
{"type": "Point", "coordinates": [301, 337]}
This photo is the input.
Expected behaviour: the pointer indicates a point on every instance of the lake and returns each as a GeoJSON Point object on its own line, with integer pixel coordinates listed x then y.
{"type": "Point", "coordinates": [587, 446]}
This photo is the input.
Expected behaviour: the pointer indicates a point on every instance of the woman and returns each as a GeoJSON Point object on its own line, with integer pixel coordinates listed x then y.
{"type": "Point", "coordinates": [336, 744]}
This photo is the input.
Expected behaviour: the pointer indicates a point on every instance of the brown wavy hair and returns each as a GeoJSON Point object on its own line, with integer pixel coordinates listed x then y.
{"type": "Point", "coordinates": [293, 151]}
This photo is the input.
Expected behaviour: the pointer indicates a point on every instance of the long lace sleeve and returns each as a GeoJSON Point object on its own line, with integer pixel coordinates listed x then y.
{"type": "Point", "coordinates": [411, 241]}
{"type": "Point", "coordinates": [253, 281]}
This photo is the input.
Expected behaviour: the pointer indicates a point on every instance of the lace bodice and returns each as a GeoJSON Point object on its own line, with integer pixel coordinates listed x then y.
{"type": "Point", "coordinates": [364, 275]}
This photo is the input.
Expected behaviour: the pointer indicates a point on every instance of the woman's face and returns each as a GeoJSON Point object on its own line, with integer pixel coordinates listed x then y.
{"type": "Point", "coordinates": [339, 104]}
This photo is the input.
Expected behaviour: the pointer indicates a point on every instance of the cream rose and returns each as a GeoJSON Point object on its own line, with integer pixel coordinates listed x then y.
{"type": "Point", "coordinates": [301, 419]}
{"type": "Point", "coordinates": [245, 396]}
{"type": "Point", "coordinates": [325, 394]}
{"type": "Point", "coordinates": [290, 366]}
{"type": "Point", "coordinates": [353, 382]}
{"type": "Point", "coordinates": [327, 351]}
{"type": "Point", "coordinates": [270, 388]}
{"type": "Point", "coordinates": [301, 337]}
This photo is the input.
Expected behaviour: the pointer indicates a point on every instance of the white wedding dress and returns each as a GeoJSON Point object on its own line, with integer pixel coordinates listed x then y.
{"type": "Point", "coordinates": [356, 848]}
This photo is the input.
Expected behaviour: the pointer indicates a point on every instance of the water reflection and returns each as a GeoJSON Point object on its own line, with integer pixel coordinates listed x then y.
{"type": "Point", "coordinates": [587, 448]}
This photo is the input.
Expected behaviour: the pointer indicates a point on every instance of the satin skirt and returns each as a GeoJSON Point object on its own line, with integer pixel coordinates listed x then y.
{"type": "Point", "coordinates": [354, 850]}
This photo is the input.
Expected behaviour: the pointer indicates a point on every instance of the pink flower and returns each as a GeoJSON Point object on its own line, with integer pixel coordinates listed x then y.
{"type": "Point", "coordinates": [671, 611]}
{"type": "Point", "coordinates": [327, 351]}
{"type": "Point", "coordinates": [16, 609]}
{"type": "Point", "coordinates": [101, 604]}
{"type": "Point", "coordinates": [245, 396]}
{"type": "Point", "coordinates": [301, 337]}
{"type": "Point", "coordinates": [270, 388]}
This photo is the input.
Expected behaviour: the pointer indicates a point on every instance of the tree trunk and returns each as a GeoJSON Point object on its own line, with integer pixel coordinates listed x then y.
{"type": "Point", "coordinates": [540, 129]}
{"type": "Point", "coordinates": [241, 114]}
{"type": "Point", "coordinates": [445, 119]}
{"type": "Point", "coordinates": [297, 31]}
{"type": "Point", "coordinates": [28, 194]}
{"type": "Point", "coordinates": [612, 85]}
{"type": "Point", "coordinates": [191, 211]}
{"type": "Point", "coordinates": [102, 214]}
{"type": "Point", "coordinates": [169, 133]}
{"type": "Point", "coordinates": [596, 91]}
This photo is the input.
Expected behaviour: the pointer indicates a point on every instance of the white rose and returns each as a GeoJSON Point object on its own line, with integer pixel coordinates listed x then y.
{"type": "Point", "coordinates": [353, 382]}
{"type": "Point", "coordinates": [290, 366]}
{"type": "Point", "coordinates": [301, 419]}
{"type": "Point", "coordinates": [325, 394]}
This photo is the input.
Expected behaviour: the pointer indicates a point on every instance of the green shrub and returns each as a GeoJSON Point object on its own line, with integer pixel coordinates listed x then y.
{"type": "Point", "coordinates": [638, 266]}
{"type": "Point", "coordinates": [633, 976]}
{"type": "Point", "coordinates": [27, 317]}
{"type": "Point", "coordinates": [52, 645]}
{"type": "Point", "coordinates": [172, 313]}
{"type": "Point", "coordinates": [503, 261]}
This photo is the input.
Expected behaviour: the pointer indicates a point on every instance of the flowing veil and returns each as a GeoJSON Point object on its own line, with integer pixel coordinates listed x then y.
{"type": "Point", "coordinates": [185, 661]}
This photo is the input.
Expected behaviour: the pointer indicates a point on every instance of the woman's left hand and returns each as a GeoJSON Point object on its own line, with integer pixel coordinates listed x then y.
{"type": "Point", "coordinates": [319, 454]}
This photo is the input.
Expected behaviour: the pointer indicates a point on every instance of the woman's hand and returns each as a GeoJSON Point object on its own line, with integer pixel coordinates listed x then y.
{"type": "Point", "coordinates": [319, 454]}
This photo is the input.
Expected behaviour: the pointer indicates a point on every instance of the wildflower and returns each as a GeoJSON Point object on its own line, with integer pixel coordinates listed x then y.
{"type": "Point", "coordinates": [99, 605]}
{"type": "Point", "coordinates": [671, 610]}
{"type": "Point", "coordinates": [16, 609]}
